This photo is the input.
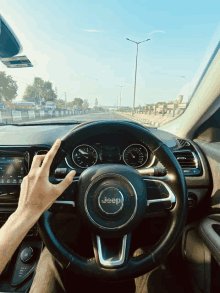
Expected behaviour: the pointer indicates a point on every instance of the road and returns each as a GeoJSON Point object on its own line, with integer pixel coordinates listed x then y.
{"type": "Point", "coordinates": [86, 117]}
{"type": "Point", "coordinates": [81, 118]}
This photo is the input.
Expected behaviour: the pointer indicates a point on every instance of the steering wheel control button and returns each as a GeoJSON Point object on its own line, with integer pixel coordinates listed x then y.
{"type": "Point", "coordinates": [61, 172]}
{"type": "Point", "coordinates": [111, 200]}
{"type": "Point", "coordinates": [27, 254]}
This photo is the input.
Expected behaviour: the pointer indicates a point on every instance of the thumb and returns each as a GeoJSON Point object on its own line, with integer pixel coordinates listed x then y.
{"type": "Point", "coordinates": [66, 182]}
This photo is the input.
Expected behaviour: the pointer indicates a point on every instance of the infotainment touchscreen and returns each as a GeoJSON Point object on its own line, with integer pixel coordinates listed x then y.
{"type": "Point", "coordinates": [11, 170]}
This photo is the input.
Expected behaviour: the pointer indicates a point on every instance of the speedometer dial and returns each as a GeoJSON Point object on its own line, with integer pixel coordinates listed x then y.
{"type": "Point", "coordinates": [135, 155]}
{"type": "Point", "coordinates": [84, 156]}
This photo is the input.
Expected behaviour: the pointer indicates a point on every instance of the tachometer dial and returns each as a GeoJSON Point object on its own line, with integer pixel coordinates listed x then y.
{"type": "Point", "coordinates": [84, 156]}
{"type": "Point", "coordinates": [135, 155]}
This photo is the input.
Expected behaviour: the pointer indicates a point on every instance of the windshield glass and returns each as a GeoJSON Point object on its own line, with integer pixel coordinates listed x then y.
{"type": "Point", "coordinates": [92, 60]}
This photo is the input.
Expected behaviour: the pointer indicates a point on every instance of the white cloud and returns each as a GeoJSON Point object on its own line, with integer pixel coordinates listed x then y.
{"type": "Point", "coordinates": [93, 31]}
{"type": "Point", "coordinates": [153, 32]}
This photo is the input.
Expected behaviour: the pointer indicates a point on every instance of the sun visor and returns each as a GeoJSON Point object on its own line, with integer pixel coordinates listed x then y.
{"type": "Point", "coordinates": [17, 62]}
{"type": "Point", "coordinates": [9, 43]}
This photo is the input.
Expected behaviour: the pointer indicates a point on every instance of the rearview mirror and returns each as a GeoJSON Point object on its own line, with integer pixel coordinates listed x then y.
{"type": "Point", "coordinates": [9, 43]}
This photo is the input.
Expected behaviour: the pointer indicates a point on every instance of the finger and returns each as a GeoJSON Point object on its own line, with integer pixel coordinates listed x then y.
{"type": "Point", "coordinates": [24, 182]}
{"type": "Point", "coordinates": [50, 156]}
{"type": "Point", "coordinates": [49, 207]}
{"type": "Point", "coordinates": [65, 183]}
{"type": "Point", "coordinates": [37, 161]}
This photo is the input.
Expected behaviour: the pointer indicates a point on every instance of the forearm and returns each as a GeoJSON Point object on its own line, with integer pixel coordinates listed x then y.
{"type": "Point", "coordinates": [12, 233]}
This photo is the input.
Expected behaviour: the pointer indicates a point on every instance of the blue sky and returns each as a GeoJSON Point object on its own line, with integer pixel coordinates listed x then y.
{"type": "Point", "coordinates": [81, 46]}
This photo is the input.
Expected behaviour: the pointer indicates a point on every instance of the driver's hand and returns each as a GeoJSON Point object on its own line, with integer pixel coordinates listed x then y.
{"type": "Point", "coordinates": [37, 193]}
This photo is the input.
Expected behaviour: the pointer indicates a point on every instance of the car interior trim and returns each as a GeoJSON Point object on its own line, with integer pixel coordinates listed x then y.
{"type": "Point", "coordinates": [72, 203]}
{"type": "Point", "coordinates": [109, 262]}
{"type": "Point", "coordinates": [171, 197]}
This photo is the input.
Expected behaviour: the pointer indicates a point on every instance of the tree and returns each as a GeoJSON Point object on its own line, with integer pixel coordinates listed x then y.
{"type": "Point", "coordinates": [31, 94]}
{"type": "Point", "coordinates": [8, 87]}
{"type": "Point", "coordinates": [70, 104]}
{"type": "Point", "coordinates": [85, 104]}
{"type": "Point", "coordinates": [78, 102]}
{"type": "Point", "coordinates": [60, 104]}
{"type": "Point", "coordinates": [40, 92]}
{"type": "Point", "coordinates": [75, 102]}
{"type": "Point", "coordinates": [48, 92]}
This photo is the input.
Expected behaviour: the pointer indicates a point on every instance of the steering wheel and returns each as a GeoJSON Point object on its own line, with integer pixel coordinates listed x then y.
{"type": "Point", "coordinates": [112, 200]}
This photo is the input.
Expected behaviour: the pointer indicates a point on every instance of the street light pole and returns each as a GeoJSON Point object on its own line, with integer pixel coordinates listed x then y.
{"type": "Point", "coordinates": [135, 78]}
{"type": "Point", "coordinates": [121, 86]}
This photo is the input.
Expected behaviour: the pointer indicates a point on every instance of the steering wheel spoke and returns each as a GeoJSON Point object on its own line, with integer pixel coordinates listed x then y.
{"type": "Point", "coordinates": [66, 202]}
{"type": "Point", "coordinates": [160, 196]}
{"type": "Point", "coordinates": [111, 252]}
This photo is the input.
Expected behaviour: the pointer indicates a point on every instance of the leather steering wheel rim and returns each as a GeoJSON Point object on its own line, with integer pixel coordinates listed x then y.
{"type": "Point", "coordinates": [136, 266]}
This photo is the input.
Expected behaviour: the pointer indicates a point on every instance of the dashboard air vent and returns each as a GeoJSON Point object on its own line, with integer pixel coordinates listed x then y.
{"type": "Point", "coordinates": [186, 159]}
{"type": "Point", "coordinates": [183, 142]}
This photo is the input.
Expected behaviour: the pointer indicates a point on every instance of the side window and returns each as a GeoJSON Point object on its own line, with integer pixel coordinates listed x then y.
{"type": "Point", "coordinates": [209, 131]}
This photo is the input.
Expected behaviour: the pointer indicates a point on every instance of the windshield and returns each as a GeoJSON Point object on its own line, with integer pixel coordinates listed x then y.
{"type": "Point", "coordinates": [92, 60]}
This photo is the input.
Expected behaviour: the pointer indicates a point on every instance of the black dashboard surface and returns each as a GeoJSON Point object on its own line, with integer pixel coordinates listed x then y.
{"type": "Point", "coordinates": [32, 135]}
{"type": "Point", "coordinates": [47, 134]}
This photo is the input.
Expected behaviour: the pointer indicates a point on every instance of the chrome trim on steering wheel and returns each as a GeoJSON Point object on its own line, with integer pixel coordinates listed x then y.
{"type": "Point", "coordinates": [72, 203]}
{"type": "Point", "coordinates": [113, 261]}
{"type": "Point", "coordinates": [171, 198]}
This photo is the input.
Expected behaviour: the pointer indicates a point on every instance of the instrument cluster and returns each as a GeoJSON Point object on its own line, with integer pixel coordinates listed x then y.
{"type": "Point", "coordinates": [135, 155]}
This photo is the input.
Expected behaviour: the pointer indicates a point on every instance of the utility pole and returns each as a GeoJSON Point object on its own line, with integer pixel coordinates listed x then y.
{"type": "Point", "coordinates": [65, 95]}
{"type": "Point", "coordinates": [137, 43]}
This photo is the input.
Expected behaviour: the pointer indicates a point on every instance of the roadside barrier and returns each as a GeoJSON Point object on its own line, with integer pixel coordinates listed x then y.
{"type": "Point", "coordinates": [153, 120]}
{"type": "Point", "coordinates": [11, 116]}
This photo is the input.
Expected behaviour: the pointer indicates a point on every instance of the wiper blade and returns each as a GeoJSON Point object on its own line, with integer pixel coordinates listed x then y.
{"type": "Point", "coordinates": [6, 124]}
{"type": "Point", "coordinates": [42, 123]}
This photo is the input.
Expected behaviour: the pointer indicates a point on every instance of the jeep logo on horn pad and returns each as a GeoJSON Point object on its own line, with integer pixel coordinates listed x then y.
{"type": "Point", "coordinates": [111, 200]}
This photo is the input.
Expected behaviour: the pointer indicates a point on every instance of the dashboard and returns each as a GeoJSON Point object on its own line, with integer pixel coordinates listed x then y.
{"type": "Point", "coordinates": [16, 159]}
